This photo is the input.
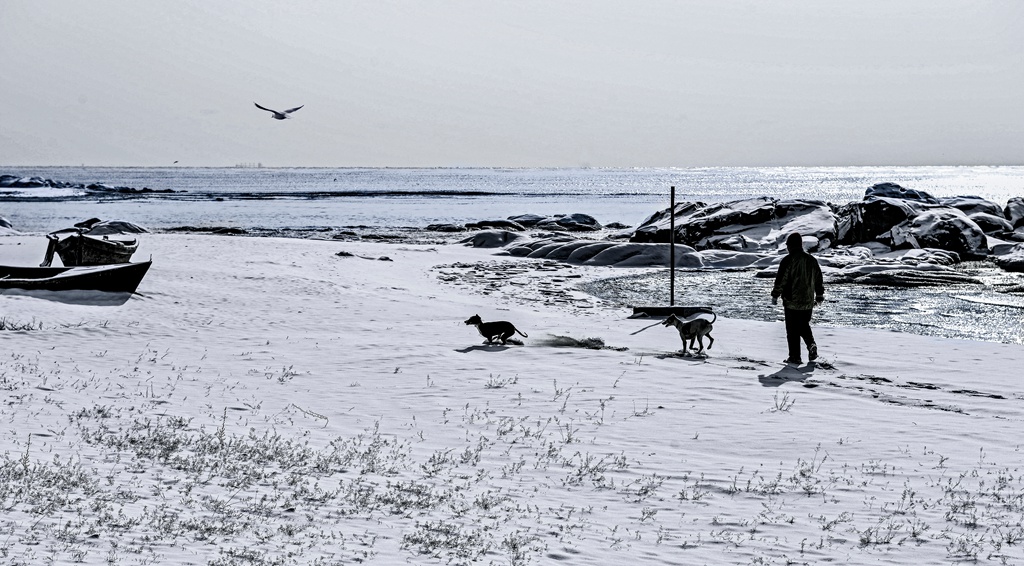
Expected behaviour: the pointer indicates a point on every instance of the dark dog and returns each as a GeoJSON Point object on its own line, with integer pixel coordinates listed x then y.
{"type": "Point", "coordinates": [693, 330]}
{"type": "Point", "coordinates": [500, 329]}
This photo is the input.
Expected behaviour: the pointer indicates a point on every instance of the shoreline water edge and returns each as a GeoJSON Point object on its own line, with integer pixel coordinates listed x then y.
{"type": "Point", "coordinates": [728, 254]}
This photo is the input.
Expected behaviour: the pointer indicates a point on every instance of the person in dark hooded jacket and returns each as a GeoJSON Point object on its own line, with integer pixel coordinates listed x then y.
{"type": "Point", "coordinates": [800, 285]}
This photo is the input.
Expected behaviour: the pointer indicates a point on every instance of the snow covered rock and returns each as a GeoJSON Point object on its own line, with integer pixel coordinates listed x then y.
{"type": "Point", "coordinates": [496, 224]}
{"type": "Point", "coordinates": [864, 221]}
{"type": "Point", "coordinates": [113, 227]}
{"type": "Point", "coordinates": [103, 187]}
{"type": "Point", "coordinates": [874, 264]}
{"type": "Point", "coordinates": [528, 220]}
{"type": "Point", "coordinates": [892, 190]}
{"type": "Point", "coordinates": [944, 228]}
{"type": "Point", "coordinates": [924, 258]}
{"type": "Point", "coordinates": [582, 254]}
{"type": "Point", "coordinates": [972, 205]}
{"type": "Point", "coordinates": [606, 253]}
{"type": "Point", "coordinates": [539, 240]}
{"type": "Point", "coordinates": [570, 222]}
{"type": "Point", "coordinates": [726, 259]}
{"type": "Point", "coordinates": [811, 218]}
{"type": "Point", "coordinates": [656, 227]}
{"type": "Point", "coordinates": [745, 225]}
{"type": "Point", "coordinates": [445, 227]}
{"type": "Point", "coordinates": [1014, 211]}
{"type": "Point", "coordinates": [491, 239]}
{"type": "Point", "coordinates": [1013, 261]}
{"type": "Point", "coordinates": [558, 223]}
{"type": "Point", "coordinates": [708, 220]}
{"type": "Point", "coordinates": [990, 223]}
{"type": "Point", "coordinates": [542, 248]}
{"type": "Point", "coordinates": [645, 255]}
{"type": "Point", "coordinates": [12, 181]}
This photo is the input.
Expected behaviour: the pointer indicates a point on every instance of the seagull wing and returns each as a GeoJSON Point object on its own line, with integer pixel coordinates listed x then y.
{"type": "Point", "coordinates": [267, 109]}
{"type": "Point", "coordinates": [290, 110]}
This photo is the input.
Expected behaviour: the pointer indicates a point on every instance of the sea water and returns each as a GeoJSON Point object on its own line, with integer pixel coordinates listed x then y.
{"type": "Point", "coordinates": [274, 199]}
{"type": "Point", "coordinates": [330, 197]}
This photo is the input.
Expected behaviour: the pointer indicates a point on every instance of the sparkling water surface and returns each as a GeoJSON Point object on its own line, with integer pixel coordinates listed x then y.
{"type": "Point", "coordinates": [970, 312]}
{"type": "Point", "coordinates": [310, 197]}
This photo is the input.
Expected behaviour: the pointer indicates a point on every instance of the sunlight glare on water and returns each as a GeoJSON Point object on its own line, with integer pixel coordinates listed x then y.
{"type": "Point", "coordinates": [971, 312]}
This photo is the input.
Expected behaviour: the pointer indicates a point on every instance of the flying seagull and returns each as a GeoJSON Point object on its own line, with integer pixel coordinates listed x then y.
{"type": "Point", "coordinates": [279, 115]}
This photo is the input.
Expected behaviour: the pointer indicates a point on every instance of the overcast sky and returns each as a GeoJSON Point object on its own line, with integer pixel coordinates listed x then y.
{"type": "Point", "coordinates": [512, 83]}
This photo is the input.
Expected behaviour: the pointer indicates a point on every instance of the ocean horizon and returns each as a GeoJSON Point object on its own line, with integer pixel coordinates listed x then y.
{"type": "Point", "coordinates": [304, 197]}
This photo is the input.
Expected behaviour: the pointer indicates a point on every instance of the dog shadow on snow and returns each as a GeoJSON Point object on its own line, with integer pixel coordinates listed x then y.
{"type": "Point", "coordinates": [494, 347]}
{"type": "Point", "coordinates": [482, 348]}
{"type": "Point", "coordinates": [787, 374]}
{"type": "Point", "coordinates": [684, 356]}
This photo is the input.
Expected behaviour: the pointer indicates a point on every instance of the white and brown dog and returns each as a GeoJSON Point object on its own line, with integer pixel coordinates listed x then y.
{"type": "Point", "coordinates": [693, 330]}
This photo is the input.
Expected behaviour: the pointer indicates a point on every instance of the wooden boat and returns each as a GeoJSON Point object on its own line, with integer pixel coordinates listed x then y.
{"type": "Point", "coordinates": [115, 278]}
{"type": "Point", "coordinates": [82, 249]}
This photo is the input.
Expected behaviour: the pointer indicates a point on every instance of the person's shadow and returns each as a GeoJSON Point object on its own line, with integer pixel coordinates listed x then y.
{"type": "Point", "coordinates": [786, 375]}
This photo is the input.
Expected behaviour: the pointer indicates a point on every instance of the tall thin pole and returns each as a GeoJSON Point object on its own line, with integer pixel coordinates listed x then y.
{"type": "Point", "coordinates": [672, 249]}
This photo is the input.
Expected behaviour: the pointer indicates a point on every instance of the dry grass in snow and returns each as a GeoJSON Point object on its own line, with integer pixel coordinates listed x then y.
{"type": "Point", "coordinates": [269, 402]}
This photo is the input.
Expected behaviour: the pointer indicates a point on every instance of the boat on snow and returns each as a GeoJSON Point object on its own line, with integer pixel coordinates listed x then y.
{"type": "Point", "coordinates": [113, 278]}
{"type": "Point", "coordinates": [78, 248]}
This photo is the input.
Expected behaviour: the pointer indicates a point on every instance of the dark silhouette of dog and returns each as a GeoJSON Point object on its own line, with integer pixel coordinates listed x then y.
{"type": "Point", "coordinates": [499, 329]}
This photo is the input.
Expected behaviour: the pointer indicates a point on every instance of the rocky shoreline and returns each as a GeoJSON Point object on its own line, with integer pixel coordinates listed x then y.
{"type": "Point", "coordinates": [16, 182]}
{"type": "Point", "coordinates": [894, 236]}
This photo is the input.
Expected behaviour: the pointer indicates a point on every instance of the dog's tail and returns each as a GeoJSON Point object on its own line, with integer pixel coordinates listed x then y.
{"type": "Point", "coordinates": [523, 334]}
{"type": "Point", "coordinates": [714, 317]}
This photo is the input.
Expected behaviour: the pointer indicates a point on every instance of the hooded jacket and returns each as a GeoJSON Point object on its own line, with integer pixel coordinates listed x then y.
{"type": "Point", "coordinates": [799, 281]}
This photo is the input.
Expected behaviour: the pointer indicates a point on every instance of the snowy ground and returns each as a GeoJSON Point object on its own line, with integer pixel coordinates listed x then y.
{"type": "Point", "coordinates": [269, 402]}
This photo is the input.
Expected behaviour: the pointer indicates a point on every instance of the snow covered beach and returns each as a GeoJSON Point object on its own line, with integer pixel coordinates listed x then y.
{"type": "Point", "coordinates": [267, 401]}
